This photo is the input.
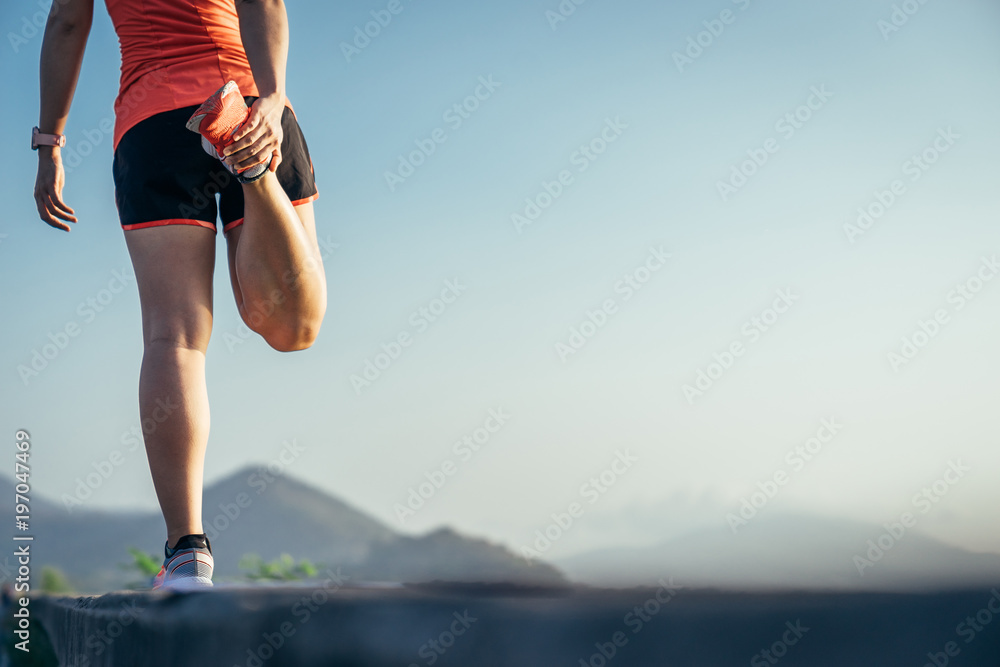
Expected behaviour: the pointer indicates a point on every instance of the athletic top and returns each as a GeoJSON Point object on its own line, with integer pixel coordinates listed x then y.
{"type": "Point", "coordinates": [175, 53]}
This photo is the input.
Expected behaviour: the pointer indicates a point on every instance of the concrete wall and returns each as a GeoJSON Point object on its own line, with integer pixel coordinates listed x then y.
{"type": "Point", "coordinates": [487, 626]}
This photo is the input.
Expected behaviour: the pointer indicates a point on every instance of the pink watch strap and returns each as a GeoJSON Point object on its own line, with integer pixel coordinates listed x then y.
{"type": "Point", "coordinates": [41, 139]}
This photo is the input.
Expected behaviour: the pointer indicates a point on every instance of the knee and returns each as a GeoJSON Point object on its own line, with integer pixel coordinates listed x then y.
{"type": "Point", "coordinates": [293, 336]}
{"type": "Point", "coordinates": [161, 338]}
{"type": "Point", "coordinates": [294, 327]}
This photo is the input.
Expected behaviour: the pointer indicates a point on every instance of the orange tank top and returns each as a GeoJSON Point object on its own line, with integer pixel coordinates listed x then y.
{"type": "Point", "coordinates": [175, 53]}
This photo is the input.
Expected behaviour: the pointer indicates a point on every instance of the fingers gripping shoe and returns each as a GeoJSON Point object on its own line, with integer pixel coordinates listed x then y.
{"type": "Point", "coordinates": [217, 120]}
{"type": "Point", "coordinates": [187, 566]}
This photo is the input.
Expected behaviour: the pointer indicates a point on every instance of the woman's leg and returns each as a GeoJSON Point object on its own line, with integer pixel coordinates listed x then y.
{"type": "Point", "coordinates": [276, 268]}
{"type": "Point", "coordinates": [173, 267]}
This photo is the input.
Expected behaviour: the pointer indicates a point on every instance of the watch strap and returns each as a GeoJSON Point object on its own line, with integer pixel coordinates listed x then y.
{"type": "Point", "coordinates": [41, 139]}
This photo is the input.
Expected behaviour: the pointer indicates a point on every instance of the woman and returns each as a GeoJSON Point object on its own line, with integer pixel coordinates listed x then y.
{"type": "Point", "coordinates": [183, 132]}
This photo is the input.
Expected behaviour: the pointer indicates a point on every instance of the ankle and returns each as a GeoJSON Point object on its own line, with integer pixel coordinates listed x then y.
{"type": "Point", "coordinates": [174, 538]}
{"type": "Point", "coordinates": [254, 174]}
{"type": "Point", "coordinates": [260, 183]}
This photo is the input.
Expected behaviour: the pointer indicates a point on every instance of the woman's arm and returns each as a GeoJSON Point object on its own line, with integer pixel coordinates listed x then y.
{"type": "Point", "coordinates": [62, 54]}
{"type": "Point", "coordinates": [264, 30]}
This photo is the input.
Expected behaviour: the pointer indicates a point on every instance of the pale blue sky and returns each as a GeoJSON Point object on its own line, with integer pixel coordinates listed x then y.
{"type": "Point", "coordinates": [656, 185]}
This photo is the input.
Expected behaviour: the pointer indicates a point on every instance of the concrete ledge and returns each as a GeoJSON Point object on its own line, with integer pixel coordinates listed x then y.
{"type": "Point", "coordinates": [485, 626]}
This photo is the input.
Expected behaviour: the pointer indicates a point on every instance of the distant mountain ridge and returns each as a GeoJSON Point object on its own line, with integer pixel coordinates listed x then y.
{"type": "Point", "coordinates": [791, 552]}
{"type": "Point", "coordinates": [254, 511]}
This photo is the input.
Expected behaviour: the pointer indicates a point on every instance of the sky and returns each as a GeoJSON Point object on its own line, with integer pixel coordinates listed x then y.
{"type": "Point", "coordinates": [649, 220]}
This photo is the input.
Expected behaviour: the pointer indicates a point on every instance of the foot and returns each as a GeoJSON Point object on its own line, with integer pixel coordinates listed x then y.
{"type": "Point", "coordinates": [186, 566]}
{"type": "Point", "coordinates": [217, 120]}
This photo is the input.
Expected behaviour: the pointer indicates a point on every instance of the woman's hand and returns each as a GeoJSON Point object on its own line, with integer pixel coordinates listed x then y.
{"type": "Point", "coordinates": [260, 137]}
{"type": "Point", "coordinates": [48, 189]}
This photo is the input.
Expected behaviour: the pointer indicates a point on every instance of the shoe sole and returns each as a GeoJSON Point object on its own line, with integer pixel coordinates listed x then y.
{"type": "Point", "coordinates": [187, 584]}
{"type": "Point", "coordinates": [194, 122]}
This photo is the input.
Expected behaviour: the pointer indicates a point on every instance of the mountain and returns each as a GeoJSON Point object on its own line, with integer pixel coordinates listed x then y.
{"type": "Point", "coordinates": [789, 552]}
{"type": "Point", "coordinates": [255, 511]}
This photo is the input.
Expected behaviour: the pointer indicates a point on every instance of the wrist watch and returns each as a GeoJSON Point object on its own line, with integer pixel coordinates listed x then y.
{"type": "Point", "coordinates": [40, 139]}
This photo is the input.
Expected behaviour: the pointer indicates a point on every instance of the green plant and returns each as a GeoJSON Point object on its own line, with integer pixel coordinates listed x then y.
{"type": "Point", "coordinates": [282, 568]}
{"type": "Point", "coordinates": [144, 565]}
{"type": "Point", "coordinates": [54, 581]}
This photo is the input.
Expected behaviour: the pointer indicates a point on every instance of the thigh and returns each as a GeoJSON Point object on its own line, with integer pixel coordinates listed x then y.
{"type": "Point", "coordinates": [308, 219]}
{"type": "Point", "coordinates": [174, 265]}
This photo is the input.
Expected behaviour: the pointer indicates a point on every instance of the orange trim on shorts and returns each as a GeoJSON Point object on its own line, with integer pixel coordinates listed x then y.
{"type": "Point", "coordinates": [171, 221]}
{"type": "Point", "coordinates": [298, 202]}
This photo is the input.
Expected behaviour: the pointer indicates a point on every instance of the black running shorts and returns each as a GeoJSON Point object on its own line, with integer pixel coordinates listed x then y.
{"type": "Point", "coordinates": [164, 177]}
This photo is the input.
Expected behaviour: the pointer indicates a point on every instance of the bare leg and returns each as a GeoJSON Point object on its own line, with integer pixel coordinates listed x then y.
{"type": "Point", "coordinates": [173, 267]}
{"type": "Point", "coordinates": [276, 268]}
